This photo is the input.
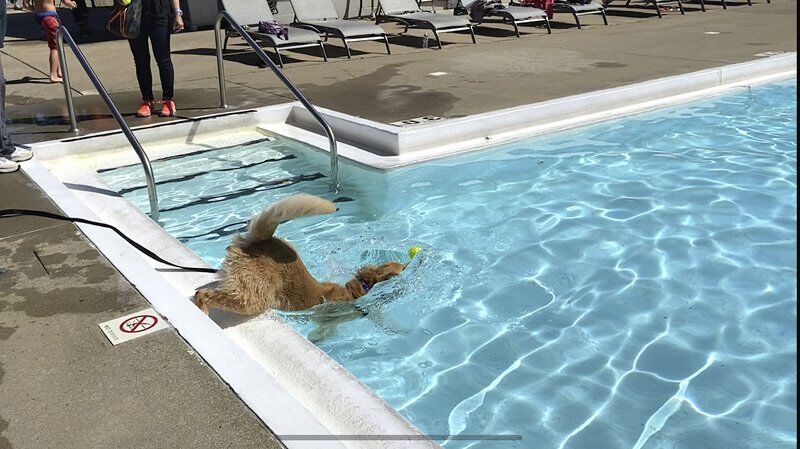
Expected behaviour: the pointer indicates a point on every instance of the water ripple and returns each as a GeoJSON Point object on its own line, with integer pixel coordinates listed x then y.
{"type": "Point", "coordinates": [626, 285]}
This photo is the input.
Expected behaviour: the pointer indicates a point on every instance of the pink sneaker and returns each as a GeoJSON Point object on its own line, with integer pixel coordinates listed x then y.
{"type": "Point", "coordinates": [168, 108]}
{"type": "Point", "coordinates": [146, 109]}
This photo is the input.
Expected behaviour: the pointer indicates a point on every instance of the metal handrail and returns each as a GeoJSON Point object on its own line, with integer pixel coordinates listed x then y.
{"type": "Point", "coordinates": [63, 35]}
{"type": "Point", "coordinates": [299, 96]}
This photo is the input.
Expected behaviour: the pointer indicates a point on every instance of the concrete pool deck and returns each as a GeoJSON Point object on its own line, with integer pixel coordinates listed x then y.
{"type": "Point", "coordinates": [501, 71]}
{"type": "Point", "coordinates": [63, 384]}
{"type": "Point", "coordinates": [636, 47]}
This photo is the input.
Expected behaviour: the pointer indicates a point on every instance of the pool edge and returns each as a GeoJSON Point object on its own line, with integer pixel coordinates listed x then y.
{"type": "Point", "coordinates": [269, 398]}
{"type": "Point", "coordinates": [386, 147]}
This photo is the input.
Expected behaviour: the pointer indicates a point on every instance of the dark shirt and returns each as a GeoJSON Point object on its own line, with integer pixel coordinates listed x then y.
{"type": "Point", "coordinates": [156, 11]}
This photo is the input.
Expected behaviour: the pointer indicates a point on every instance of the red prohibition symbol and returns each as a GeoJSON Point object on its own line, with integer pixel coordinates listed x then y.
{"type": "Point", "coordinates": [139, 323]}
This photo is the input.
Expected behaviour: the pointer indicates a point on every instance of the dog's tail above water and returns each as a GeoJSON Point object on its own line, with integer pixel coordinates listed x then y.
{"type": "Point", "coordinates": [263, 225]}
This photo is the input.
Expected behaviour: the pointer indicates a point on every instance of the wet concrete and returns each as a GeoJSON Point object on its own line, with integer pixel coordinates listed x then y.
{"type": "Point", "coordinates": [501, 71]}
{"type": "Point", "coordinates": [406, 98]}
{"type": "Point", "coordinates": [62, 384]}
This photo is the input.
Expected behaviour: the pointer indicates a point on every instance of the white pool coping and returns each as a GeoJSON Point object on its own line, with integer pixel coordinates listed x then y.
{"type": "Point", "coordinates": [293, 386]}
{"type": "Point", "coordinates": [386, 147]}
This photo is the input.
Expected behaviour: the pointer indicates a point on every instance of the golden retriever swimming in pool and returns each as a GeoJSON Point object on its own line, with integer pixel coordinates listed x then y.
{"type": "Point", "coordinates": [263, 272]}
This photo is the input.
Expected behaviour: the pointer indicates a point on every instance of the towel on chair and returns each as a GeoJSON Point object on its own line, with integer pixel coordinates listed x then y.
{"type": "Point", "coordinates": [273, 27]}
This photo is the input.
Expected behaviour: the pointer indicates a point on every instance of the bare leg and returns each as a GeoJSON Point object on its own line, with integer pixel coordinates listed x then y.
{"type": "Point", "coordinates": [55, 68]}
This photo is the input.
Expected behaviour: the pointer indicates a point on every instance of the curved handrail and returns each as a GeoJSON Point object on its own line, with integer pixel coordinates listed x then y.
{"type": "Point", "coordinates": [63, 35]}
{"type": "Point", "coordinates": [299, 96]}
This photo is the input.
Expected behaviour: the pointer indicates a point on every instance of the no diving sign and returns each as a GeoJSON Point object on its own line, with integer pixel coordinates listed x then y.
{"type": "Point", "coordinates": [138, 323]}
{"type": "Point", "coordinates": [132, 326]}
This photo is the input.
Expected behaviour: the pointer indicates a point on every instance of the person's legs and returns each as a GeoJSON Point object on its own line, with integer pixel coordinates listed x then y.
{"type": "Point", "coordinates": [161, 50]}
{"type": "Point", "coordinates": [159, 38]}
{"type": "Point", "coordinates": [141, 58]}
{"type": "Point", "coordinates": [6, 147]}
{"type": "Point", "coordinates": [9, 155]}
{"type": "Point", "coordinates": [7, 150]}
{"type": "Point", "coordinates": [55, 67]}
{"type": "Point", "coordinates": [50, 27]}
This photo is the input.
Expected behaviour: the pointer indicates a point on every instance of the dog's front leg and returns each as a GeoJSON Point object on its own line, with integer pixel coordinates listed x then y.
{"type": "Point", "coordinates": [203, 299]}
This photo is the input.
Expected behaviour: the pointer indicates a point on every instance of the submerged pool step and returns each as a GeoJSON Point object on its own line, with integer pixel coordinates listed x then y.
{"type": "Point", "coordinates": [190, 154]}
{"type": "Point", "coordinates": [183, 167]}
{"type": "Point", "coordinates": [195, 175]}
{"type": "Point", "coordinates": [270, 185]}
{"type": "Point", "coordinates": [235, 227]}
{"type": "Point", "coordinates": [212, 193]}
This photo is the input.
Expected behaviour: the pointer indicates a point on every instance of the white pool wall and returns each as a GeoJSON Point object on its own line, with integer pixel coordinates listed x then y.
{"type": "Point", "coordinates": [387, 146]}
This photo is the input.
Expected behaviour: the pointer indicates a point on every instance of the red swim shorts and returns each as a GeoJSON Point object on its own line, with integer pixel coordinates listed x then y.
{"type": "Point", "coordinates": [50, 26]}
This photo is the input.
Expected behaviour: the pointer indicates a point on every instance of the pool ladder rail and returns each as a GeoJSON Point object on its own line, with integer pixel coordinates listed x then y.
{"type": "Point", "coordinates": [333, 151]}
{"type": "Point", "coordinates": [62, 35]}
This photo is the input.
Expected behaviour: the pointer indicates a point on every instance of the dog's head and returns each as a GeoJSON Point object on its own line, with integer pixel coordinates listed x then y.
{"type": "Point", "coordinates": [370, 275]}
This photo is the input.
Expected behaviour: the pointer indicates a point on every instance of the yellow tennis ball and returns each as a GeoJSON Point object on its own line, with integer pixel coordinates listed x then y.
{"type": "Point", "coordinates": [413, 251]}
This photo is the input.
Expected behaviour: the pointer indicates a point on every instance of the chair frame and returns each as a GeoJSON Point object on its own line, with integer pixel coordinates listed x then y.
{"type": "Point", "coordinates": [328, 31]}
{"type": "Point", "coordinates": [421, 24]}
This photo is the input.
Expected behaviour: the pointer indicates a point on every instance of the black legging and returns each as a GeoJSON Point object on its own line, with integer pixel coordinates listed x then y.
{"type": "Point", "coordinates": [159, 39]}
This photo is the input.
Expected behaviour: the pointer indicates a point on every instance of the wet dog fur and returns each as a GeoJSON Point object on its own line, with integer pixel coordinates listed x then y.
{"type": "Point", "coordinates": [263, 272]}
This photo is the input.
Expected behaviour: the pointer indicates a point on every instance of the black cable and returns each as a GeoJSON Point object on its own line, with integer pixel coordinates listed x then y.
{"type": "Point", "coordinates": [145, 251]}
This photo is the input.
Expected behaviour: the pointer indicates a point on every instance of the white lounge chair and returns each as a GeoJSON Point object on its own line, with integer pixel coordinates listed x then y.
{"type": "Point", "coordinates": [516, 15]}
{"type": "Point", "coordinates": [408, 13]}
{"type": "Point", "coordinates": [249, 12]}
{"type": "Point", "coordinates": [321, 16]}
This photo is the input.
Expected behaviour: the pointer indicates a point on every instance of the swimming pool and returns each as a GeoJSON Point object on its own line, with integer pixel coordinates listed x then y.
{"type": "Point", "coordinates": [629, 284]}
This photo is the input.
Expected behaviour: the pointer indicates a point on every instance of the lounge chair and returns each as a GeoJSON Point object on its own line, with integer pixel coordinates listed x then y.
{"type": "Point", "coordinates": [577, 9]}
{"type": "Point", "coordinates": [408, 13]}
{"type": "Point", "coordinates": [249, 12]}
{"type": "Point", "coordinates": [724, 4]}
{"type": "Point", "coordinates": [516, 15]}
{"type": "Point", "coordinates": [657, 4]}
{"type": "Point", "coordinates": [321, 17]}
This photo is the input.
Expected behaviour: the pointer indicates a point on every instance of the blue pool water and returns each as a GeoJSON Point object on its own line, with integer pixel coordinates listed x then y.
{"type": "Point", "coordinates": [626, 285]}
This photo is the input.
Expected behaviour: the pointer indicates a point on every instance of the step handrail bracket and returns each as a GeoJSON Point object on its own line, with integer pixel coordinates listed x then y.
{"type": "Point", "coordinates": [334, 185]}
{"type": "Point", "coordinates": [62, 35]}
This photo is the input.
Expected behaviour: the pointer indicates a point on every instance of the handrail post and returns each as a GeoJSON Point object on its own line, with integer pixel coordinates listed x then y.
{"type": "Point", "coordinates": [223, 97]}
{"type": "Point", "coordinates": [334, 153]}
{"type": "Point", "coordinates": [62, 60]}
{"type": "Point", "coordinates": [63, 35]}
